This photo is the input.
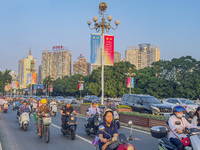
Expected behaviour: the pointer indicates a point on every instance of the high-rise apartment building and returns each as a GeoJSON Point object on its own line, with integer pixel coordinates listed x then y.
{"type": "Point", "coordinates": [56, 63]}
{"type": "Point", "coordinates": [81, 66]}
{"type": "Point", "coordinates": [24, 67]}
{"type": "Point", "coordinates": [39, 75]}
{"type": "Point", "coordinates": [143, 56]}
{"type": "Point", "coordinates": [117, 57]}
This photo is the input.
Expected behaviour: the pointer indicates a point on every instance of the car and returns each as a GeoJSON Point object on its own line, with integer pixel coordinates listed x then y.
{"type": "Point", "coordinates": [49, 97]}
{"type": "Point", "coordinates": [60, 99]}
{"type": "Point", "coordinates": [146, 104]}
{"type": "Point", "coordinates": [71, 99]}
{"type": "Point", "coordinates": [37, 98]}
{"type": "Point", "coordinates": [90, 98]}
{"type": "Point", "coordinates": [190, 106]}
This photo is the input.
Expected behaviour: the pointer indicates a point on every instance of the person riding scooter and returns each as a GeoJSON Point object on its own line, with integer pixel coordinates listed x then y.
{"type": "Point", "coordinates": [176, 130]}
{"type": "Point", "coordinates": [18, 106]}
{"type": "Point", "coordinates": [1, 104]}
{"type": "Point", "coordinates": [42, 110]}
{"type": "Point", "coordinates": [52, 103]}
{"type": "Point", "coordinates": [65, 112]}
{"type": "Point", "coordinates": [110, 129]}
{"type": "Point", "coordinates": [23, 107]}
{"type": "Point", "coordinates": [196, 118]}
{"type": "Point", "coordinates": [92, 111]}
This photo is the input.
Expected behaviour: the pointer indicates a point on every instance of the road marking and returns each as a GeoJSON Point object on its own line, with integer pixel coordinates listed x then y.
{"type": "Point", "coordinates": [125, 127]}
{"type": "Point", "coordinates": [80, 137]}
{"type": "Point", "coordinates": [0, 146]}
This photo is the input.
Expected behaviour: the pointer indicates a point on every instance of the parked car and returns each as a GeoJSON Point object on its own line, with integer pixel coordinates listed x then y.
{"type": "Point", "coordinates": [146, 104]}
{"type": "Point", "coordinates": [71, 99]}
{"type": "Point", "coordinates": [60, 99]}
{"type": "Point", "coordinates": [191, 107]}
{"type": "Point", "coordinates": [37, 98]}
{"type": "Point", "coordinates": [90, 98]}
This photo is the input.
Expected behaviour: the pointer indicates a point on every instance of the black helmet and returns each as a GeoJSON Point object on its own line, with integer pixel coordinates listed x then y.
{"type": "Point", "coordinates": [24, 101]}
{"type": "Point", "coordinates": [93, 102]}
{"type": "Point", "coordinates": [108, 100]}
{"type": "Point", "coordinates": [178, 109]}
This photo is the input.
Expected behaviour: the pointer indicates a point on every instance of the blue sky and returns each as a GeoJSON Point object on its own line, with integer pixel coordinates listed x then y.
{"type": "Point", "coordinates": [173, 25]}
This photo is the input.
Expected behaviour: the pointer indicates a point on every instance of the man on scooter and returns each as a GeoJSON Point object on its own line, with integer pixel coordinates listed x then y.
{"type": "Point", "coordinates": [177, 124]}
{"type": "Point", "coordinates": [19, 104]}
{"type": "Point", "coordinates": [52, 103]}
{"type": "Point", "coordinates": [23, 108]}
{"type": "Point", "coordinates": [92, 111]}
{"type": "Point", "coordinates": [110, 128]}
{"type": "Point", "coordinates": [65, 112]}
{"type": "Point", "coordinates": [1, 104]}
{"type": "Point", "coordinates": [42, 110]}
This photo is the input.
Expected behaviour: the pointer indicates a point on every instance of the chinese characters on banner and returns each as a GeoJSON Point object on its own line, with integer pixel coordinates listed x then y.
{"type": "Point", "coordinates": [80, 86]}
{"type": "Point", "coordinates": [14, 85]}
{"type": "Point", "coordinates": [109, 50]}
{"type": "Point", "coordinates": [7, 88]}
{"type": "Point", "coordinates": [31, 78]}
{"type": "Point", "coordinates": [95, 57]}
{"type": "Point", "coordinates": [130, 82]}
{"type": "Point", "coordinates": [50, 89]}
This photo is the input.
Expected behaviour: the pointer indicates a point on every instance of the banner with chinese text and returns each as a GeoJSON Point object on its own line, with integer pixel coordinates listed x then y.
{"type": "Point", "coordinates": [109, 50]}
{"type": "Point", "coordinates": [34, 76]}
{"type": "Point", "coordinates": [80, 86]}
{"type": "Point", "coordinates": [130, 82]}
{"type": "Point", "coordinates": [95, 56]}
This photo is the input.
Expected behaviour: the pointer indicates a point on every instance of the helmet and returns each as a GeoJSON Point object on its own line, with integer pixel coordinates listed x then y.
{"type": "Point", "coordinates": [108, 100]}
{"type": "Point", "coordinates": [93, 102]}
{"type": "Point", "coordinates": [4, 97]}
{"type": "Point", "coordinates": [106, 111]}
{"type": "Point", "coordinates": [178, 109]}
{"type": "Point", "coordinates": [24, 101]}
{"type": "Point", "coordinates": [43, 101]}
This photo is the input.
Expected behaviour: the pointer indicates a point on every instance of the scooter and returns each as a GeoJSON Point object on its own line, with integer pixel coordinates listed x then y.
{"type": "Point", "coordinates": [54, 109]}
{"type": "Point", "coordinates": [116, 118]}
{"type": "Point", "coordinates": [161, 132]}
{"type": "Point", "coordinates": [14, 106]}
{"type": "Point", "coordinates": [24, 120]}
{"type": "Point", "coordinates": [121, 143]}
{"type": "Point", "coordinates": [93, 128]}
{"type": "Point", "coordinates": [5, 108]}
{"type": "Point", "coordinates": [71, 124]}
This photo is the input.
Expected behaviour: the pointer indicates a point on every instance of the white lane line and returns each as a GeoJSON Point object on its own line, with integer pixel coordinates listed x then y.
{"type": "Point", "coordinates": [80, 137]}
{"type": "Point", "coordinates": [125, 127]}
{"type": "Point", "coordinates": [0, 146]}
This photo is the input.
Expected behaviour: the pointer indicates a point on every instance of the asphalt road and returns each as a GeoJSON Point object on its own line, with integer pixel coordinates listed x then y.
{"type": "Point", "coordinates": [12, 137]}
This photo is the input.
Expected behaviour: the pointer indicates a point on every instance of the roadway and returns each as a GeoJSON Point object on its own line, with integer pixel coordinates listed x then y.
{"type": "Point", "coordinates": [12, 137]}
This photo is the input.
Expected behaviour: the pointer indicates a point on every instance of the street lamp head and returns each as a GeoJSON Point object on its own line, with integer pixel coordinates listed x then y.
{"type": "Point", "coordinates": [117, 22]}
{"type": "Point", "coordinates": [89, 22]}
{"type": "Point", "coordinates": [95, 18]}
{"type": "Point", "coordinates": [109, 18]}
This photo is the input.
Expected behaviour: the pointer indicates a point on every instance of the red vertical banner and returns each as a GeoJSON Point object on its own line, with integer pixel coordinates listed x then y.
{"type": "Point", "coordinates": [34, 76]}
{"type": "Point", "coordinates": [109, 50]}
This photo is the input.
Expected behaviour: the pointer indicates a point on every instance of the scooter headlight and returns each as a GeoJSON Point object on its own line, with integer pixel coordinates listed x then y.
{"type": "Point", "coordinates": [72, 118]}
{"type": "Point", "coordinates": [130, 147]}
{"type": "Point", "coordinates": [99, 119]}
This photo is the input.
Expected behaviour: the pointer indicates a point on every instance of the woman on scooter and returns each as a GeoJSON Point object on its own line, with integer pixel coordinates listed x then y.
{"type": "Point", "coordinates": [177, 124]}
{"type": "Point", "coordinates": [110, 128]}
{"type": "Point", "coordinates": [196, 118]}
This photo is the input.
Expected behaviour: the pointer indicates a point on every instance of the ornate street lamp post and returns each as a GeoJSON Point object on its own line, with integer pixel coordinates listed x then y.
{"type": "Point", "coordinates": [130, 74]}
{"type": "Point", "coordinates": [104, 26]}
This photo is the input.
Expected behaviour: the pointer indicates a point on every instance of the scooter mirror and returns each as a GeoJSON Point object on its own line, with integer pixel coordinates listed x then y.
{"type": "Point", "coordinates": [101, 128]}
{"type": "Point", "coordinates": [130, 123]}
{"type": "Point", "coordinates": [177, 123]}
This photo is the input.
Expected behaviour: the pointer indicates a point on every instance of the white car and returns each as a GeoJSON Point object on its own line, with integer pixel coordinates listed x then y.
{"type": "Point", "coordinates": [71, 99]}
{"type": "Point", "coordinates": [191, 107]}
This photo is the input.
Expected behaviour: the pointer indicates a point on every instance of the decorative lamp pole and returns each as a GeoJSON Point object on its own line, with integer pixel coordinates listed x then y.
{"type": "Point", "coordinates": [130, 74]}
{"type": "Point", "coordinates": [102, 25]}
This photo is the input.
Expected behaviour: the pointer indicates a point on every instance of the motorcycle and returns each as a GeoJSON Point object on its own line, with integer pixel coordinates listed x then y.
{"type": "Point", "coordinates": [5, 108]}
{"type": "Point", "coordinates": [24, 120]}
{"type": "Point", "coordinates": [46, 122]}
{"type": "Point", "coordinates": [14, 106]}
{"type": "Point", "coordinates": [71, 124]}
{"type": "Point", "coordinates": [121, 143]}
{"type": "Point", "coordinates": [93, 128]}
{"type": "Point", "coordinates": [161, 133]}
{"type": "Point", "coordinates": [116, 118]}
{"type": "Point", "coordinates": [54, 109]}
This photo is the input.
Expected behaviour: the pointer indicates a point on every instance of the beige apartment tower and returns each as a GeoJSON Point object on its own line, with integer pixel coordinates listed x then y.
{"type": "Point", "coordinates": [142, 56]}
{"type": "Point", "coordinates": [56, 64]}
{"type": "Point", "coordinates": [81, 66]}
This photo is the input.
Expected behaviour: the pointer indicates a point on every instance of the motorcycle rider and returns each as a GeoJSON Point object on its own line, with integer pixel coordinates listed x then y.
{"type": "Point", "coordinates": [23, 108]}
{"type": "Point", "coordinates": [41, 110]}
{"type": "Point", "coordinates": [65, 112]}
{"type": "Point", "coordinates": [196, 118]}
{"type": "Point", "coordinates": [19, 104]}
{"type": "Point", "coordinates": [52, 103]}
{"type": "Point", "coordinates": [176, 131]}
{"type": "Point", "coordinates": [1, 104]}
{"type": "Point", "coordinates": [110, 128]}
